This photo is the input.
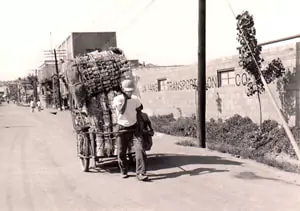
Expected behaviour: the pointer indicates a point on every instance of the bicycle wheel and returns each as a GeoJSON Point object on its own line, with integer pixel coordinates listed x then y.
{"type": "Point", "coordinates": [83, 150]}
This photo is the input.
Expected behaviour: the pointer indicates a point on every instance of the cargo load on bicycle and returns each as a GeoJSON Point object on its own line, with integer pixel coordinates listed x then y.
{"type": "Point", "coordinates": [93, 80]}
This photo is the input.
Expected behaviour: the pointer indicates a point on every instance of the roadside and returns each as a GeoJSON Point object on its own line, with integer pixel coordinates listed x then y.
{"type": "Point", "coordinates": [167, 144]}
{"type": "Point", "coordinates": [238, 136]}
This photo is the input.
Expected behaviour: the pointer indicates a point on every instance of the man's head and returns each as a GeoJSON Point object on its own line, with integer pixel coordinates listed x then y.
{"type": "Point", "coordinates": [128, 87]}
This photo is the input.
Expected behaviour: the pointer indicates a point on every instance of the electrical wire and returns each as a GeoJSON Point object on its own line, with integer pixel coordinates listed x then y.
{"type": "Point", "coordinates": [131, 22]}
{"type": "Point", "coordinates": [117, 19]}
{"type": "Point", "coordinates": [142, 12]}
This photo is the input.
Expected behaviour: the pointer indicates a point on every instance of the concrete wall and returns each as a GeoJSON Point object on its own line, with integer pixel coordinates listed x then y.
{"type": "Point", "coordinates": [223, 101]}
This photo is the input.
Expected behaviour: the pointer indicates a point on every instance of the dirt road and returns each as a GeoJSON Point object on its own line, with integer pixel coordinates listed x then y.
{"type": "Point", "coordinates": [40, 171]}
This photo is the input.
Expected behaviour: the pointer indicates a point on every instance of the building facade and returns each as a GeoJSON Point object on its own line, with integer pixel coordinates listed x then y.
{"type": "Point", "coordinates": [172, 89]}
{"type": "Point", "coordinates": [79, 43]}
{"type": "Point", "coordinates": [46, 71]}
{"type": "Point", "coordinates": [45, 74]}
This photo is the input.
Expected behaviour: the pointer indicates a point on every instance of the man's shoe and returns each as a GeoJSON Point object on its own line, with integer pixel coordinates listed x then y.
{"type": "Point", "coordinates": [142, 177]}
{"type": "Point", "coordinates": [124, 175]}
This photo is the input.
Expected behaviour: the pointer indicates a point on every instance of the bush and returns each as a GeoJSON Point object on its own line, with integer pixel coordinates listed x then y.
{"type": "Point", "coordinates": [187, 143]}
{"type": "Point", "coordinates": [161, 123]}
{"type": "Point", "coordinates": [237, 135]}
{"type": "Point", "coordinates": [184, 127]}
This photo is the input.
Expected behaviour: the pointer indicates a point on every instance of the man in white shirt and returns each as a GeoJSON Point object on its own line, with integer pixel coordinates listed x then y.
{"type": "Point", "coordinates": [126, 105]}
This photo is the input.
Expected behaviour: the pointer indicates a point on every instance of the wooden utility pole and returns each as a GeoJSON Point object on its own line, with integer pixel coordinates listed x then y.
{"type": "Point", "coordinates": [201, 105]}
{"type": "Point", "coordinates": [57, 78]}
{"type": "Point", "coordinates": [18, 93]}
{"type": "Point", "coordinates": [35, 84]}
{"type": "Point", "coordinates": [55, 53]}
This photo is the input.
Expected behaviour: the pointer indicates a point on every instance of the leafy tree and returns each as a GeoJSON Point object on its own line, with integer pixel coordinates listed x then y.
{"type": "Point", "coordinates": [287, 98]}
{"type": "Point", "coordinates": [13, 91]}
{"type": "Point", "coordinates": [251, 61]}
{"type": "Point", "coordinates": [33, 81]}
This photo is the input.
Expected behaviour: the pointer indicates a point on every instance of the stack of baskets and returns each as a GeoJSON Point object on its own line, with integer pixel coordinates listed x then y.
{"type": "Point", "coordinates": [101, 71]}
{"type": "Point", "coordinates": [100, 75]}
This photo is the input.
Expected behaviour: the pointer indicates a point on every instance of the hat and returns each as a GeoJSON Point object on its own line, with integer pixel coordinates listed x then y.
{"type": "Point", "coordinates": [128, 85]}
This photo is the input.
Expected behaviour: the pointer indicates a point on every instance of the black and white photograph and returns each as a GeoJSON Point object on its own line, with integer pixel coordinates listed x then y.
{"type": "Point", "coordinates": [149, 105]}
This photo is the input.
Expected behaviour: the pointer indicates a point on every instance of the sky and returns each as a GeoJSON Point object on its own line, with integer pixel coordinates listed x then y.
{"type": "Point", "coordinates": [164, 33]}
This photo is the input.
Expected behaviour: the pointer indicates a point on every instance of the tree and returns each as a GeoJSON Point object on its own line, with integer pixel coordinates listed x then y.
{"type": "Point", "coordinates": [251, 61]}
{"type": "Point", "coordinates": [287, 98]}
{"type": "Point", "coordinates": [13, 91]}
{"type": "Point", "coordinates": [33, 81]}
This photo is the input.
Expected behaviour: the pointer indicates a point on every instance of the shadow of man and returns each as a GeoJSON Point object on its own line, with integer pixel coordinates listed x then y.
{"type": "Point", "coordinates": [166, 161]}
{"type": "Point", "coordinates": [194, 172]}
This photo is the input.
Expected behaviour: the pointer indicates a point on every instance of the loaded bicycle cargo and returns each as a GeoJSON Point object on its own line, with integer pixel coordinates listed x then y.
{"type": "Point", "coordinates": [92, 81]}
{"type": "Point", "coordinates": [101, 72]}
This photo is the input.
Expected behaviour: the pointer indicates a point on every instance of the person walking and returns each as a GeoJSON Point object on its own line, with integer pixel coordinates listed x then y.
{"type": "Point", "coordinates": [39, 106]}
{"type": "Point", "coordinates": [126, 105]}
{"type": "Point", "coordinates": [32, 105]}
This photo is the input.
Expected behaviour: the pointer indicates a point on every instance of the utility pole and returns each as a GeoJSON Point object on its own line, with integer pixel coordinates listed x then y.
{"type": "Point", "coordinates": [35, 84]}
{"type": "Point", "coordinates": [55, 76]}
{"type": "Point", "coordinates": [201, 106]}
{"type": "Point", "coordinates": [18, 92]}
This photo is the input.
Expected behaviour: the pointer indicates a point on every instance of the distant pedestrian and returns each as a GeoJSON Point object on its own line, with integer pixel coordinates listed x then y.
{"type": "Point", "coordinates": [39, 105]}
{"type": "Point", "coordinates": [32, 105]}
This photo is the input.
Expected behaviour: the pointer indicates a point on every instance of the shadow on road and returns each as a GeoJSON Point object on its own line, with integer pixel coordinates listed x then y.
{"type": "Point", "coordinates": [109, 165]}
{"type": "Point", "coordinates": [194, 172]}
{"type": "Point", "coordinates": [253, 176]}
{"type": "Point", "coordinates": [164, 161]}
{"type": "Point", "coordinates": [16, 126]}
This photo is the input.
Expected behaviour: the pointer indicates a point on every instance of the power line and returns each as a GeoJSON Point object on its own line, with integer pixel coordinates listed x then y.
{"type": "Point", "coordinates": [114, 21]}
{"type": "Point", "coordinates": [132, 21]}
{"type": "Point", "coordinates": [147, 7]}
{"type": "Point", "coordinates": [140, 13]}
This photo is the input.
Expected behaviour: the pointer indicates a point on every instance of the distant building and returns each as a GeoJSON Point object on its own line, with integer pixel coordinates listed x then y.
{"type": "Point", "coordinates": [166, 90]}
{"type": "Point", "coordinates": [46, 71]}
{"type": "Point", "coordinates": [134, 63]}
{"type": "Point", "coordinates": [3, 91]}
{"type": "Point", "coordinates": [79, 43]}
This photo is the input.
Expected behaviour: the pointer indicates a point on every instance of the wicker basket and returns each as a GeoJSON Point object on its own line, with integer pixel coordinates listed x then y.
{"type": "Point", "coordinates": [101, 71]}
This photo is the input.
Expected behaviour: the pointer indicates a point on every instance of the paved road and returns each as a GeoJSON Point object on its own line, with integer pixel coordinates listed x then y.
{"type": "Point", "coordinates": [40, 171]}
